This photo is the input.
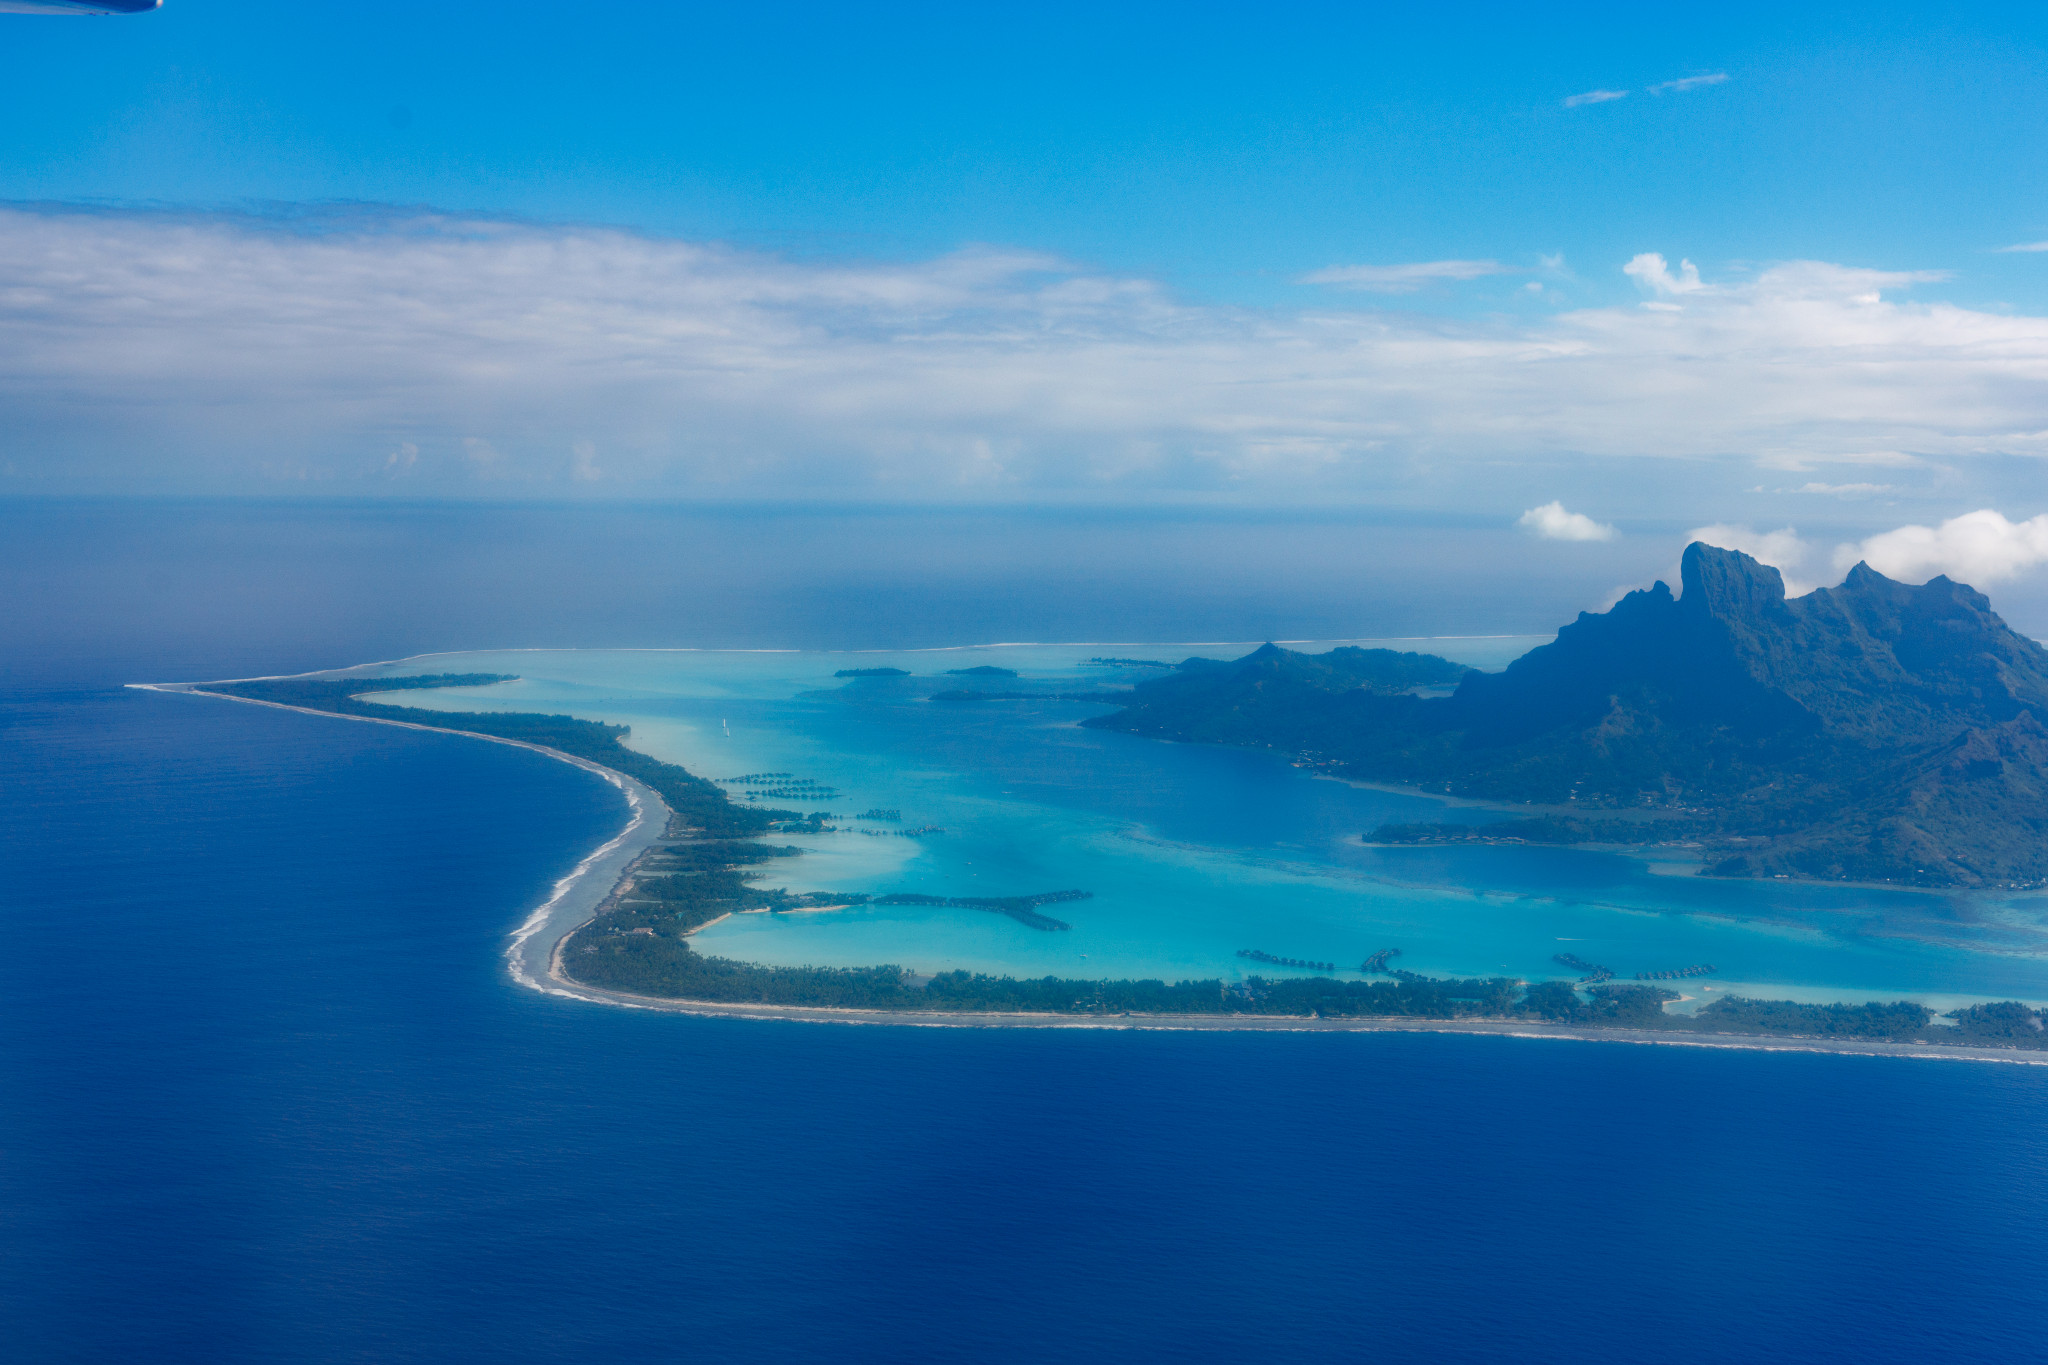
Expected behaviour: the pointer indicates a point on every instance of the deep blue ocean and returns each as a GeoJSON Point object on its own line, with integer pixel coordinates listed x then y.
{"type": "Point", "coordinates": [268, 1094]}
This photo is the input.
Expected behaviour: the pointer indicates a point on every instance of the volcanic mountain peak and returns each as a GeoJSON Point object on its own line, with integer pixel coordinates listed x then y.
{"type": "Point", "coordinates": [1826, 735]}
{"type": "Point", "coordinates": [1728, 584]}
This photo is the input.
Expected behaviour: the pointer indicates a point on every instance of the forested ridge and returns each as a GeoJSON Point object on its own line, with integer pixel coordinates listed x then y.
{"type": "Point", "coordinates": [712, 865]}
{"type": "Point", "coordinates": [1875, 731]}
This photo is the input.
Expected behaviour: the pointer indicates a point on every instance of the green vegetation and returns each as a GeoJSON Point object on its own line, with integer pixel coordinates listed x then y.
{"type": "Point", "coordinates": [638, 943]}
{"type": "Point", "coordinates": [664, 965]}
{"type": "Point", "coordinates": [1874, 731]}
{"type": "Point", "coordinates": [1102, 662]}
{"type": "Point", "coordinates": [680, 886]}
{"type": "Point", "coordinates": [1900, 1020]}
{"type": "Point", "coordinates": [614, 957]}
{"type": "Point", "coordinates": [2006, 1022]}
{"type": "Point", "coordinates": [698, 805]}
{"type": "Point", "coordinates": [709, 855]}
{"type": "Point", "coordinates": [1318, 996]}
{"type": "Point", "coordinates": [1618, 1006]}
{"type": "Point", "coordinates": [981, 671]}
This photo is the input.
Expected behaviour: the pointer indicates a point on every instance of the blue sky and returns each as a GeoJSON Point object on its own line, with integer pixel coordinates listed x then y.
{"type": "Point", "coordinates": [1745, 266]}
{"type": "Point", "coordinates": [1226, 149]}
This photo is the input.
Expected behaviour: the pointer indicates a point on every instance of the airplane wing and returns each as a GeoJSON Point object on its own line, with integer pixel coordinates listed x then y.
{"type": "Point", "coordinates": [78, 6]}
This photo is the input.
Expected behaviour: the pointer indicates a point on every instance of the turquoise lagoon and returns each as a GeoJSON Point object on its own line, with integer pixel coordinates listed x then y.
{"type": "Point", "coordinates": [1194, 852]}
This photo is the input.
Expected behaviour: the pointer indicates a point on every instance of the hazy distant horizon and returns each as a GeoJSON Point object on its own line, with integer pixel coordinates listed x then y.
{"type": "Point", "coordinates": [1611, 278]}
{"type": "Point", "coordinates": [227, 587]}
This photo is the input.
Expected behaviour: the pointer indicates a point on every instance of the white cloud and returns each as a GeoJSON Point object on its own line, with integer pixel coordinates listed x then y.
{"type": "Point", "coordinates": [2026, 246]}
{"type": "Point", "coordinates": [1800, 461]}
{"type": "Point", "coordinates": [1783, 550]}
{"type": "Point", "coordinates": [1552, 522]}
{"type": "Point", "coordinates": [1594, 97]}
{"type": "Point", "coordinates": [1794, 280]}
{"type": "Point", "coordinates": [1650, 271]}
{"type": "Point", "coordinates": [1848, 492]}
{"type": "Point", "coordinates": [147, 350]}
{"type": "Point", "coordinates": [1402, 279]}
{"type": "Point", "coordinates": [1685, 83]}
{"type": "Point", "coordinates": [1976, 548]}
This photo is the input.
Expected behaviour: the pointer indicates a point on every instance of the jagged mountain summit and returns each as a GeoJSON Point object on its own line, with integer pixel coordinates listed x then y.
{"type": "Point", "coordinates": [1874, 731]}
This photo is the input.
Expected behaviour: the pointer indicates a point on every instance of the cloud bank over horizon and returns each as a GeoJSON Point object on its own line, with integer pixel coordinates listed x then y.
{"type": "Point", "coordinates": [1976, 548]}
{"type": "Point", "coordinates": [1981, 548]}
{"type": "Point", "coordinates": [373, 350]}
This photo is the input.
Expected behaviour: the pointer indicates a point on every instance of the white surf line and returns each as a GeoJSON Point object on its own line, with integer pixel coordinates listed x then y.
{"type": "Point", "coordinates": [649, 819]}
{"type": "Point", "coordinates": [645, 802]}
{"type": "Point", "coordinates": [538, 920]}
{"type": "Point", "coordinates": [756, 1011]}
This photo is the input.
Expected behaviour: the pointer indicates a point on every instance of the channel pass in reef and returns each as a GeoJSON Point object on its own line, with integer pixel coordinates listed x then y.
{"type": "Point", "coordinates": [1193, 853]}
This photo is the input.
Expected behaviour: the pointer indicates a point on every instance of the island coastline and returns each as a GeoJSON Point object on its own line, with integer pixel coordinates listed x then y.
{"type": "Point", "coordinates": [584, 894]}
{"type": "Point", "coordinates": [571, 906]}
{"type": "Point", "coordinates": [1245, 1023]}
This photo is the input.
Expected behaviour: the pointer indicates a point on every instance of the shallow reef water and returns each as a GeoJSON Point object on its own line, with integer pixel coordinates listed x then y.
{"type": "Point", "coordinates": [1194, 853]}
{"type": "Point", "coordinates": [267, 1092]}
